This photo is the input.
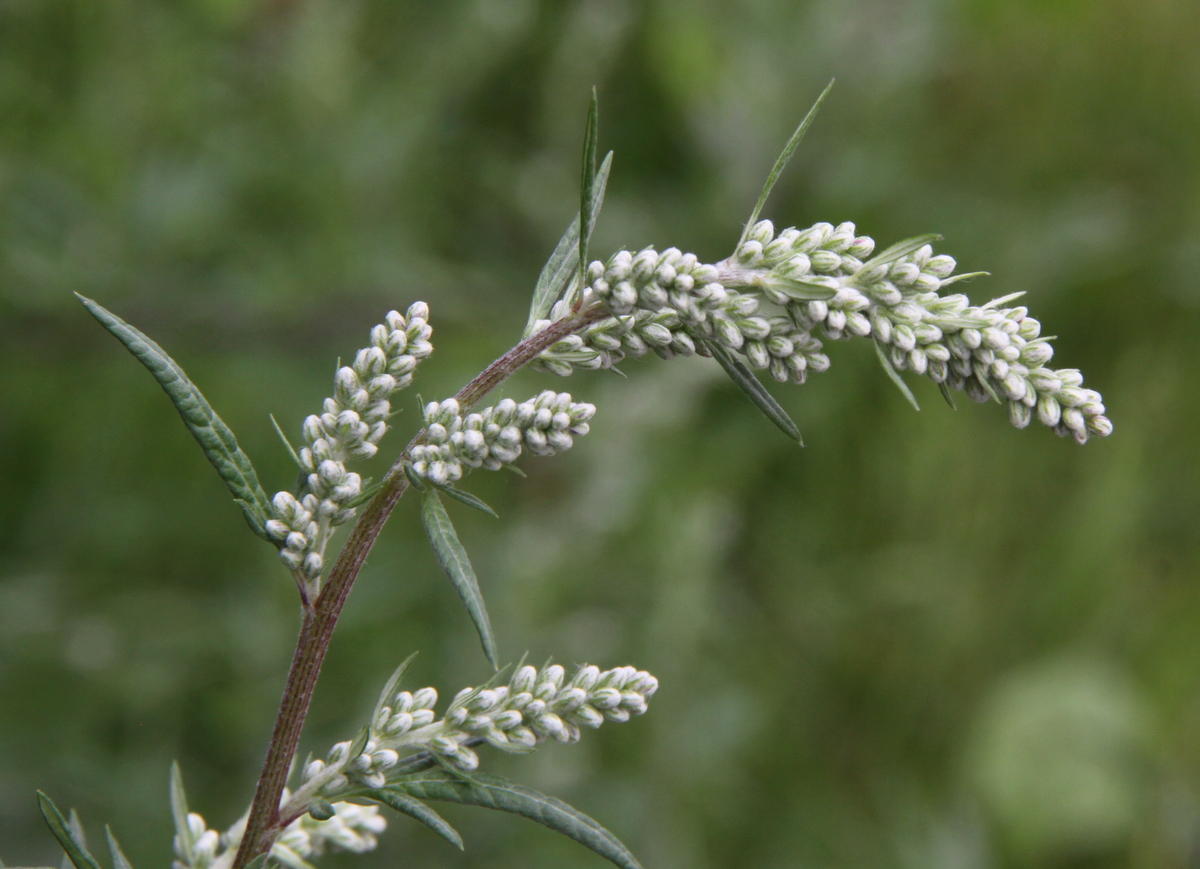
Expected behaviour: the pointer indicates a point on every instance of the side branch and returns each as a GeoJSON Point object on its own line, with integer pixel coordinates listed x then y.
{"type": "Point", "coordinates": [264, 823]}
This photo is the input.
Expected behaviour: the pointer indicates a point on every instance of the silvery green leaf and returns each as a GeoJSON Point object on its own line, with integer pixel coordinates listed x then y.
{"type": "Point", "coordinates": [900, 250]}
{"type": "Point", "coordinates": [465, 498]}
{"type": "Point", "coordinates": [788, 150]}
{"type": "Point", "coordinates": [587, 187]}
{"type": "Point", "coordinates": [894, 375]}
{"type": "Point", "coordinates": [258, 862]}
{"type": "Point", "coordinates": [562, 267]}
{"type": "Point", "coordinates": [1004, 300]}
{"type": "Point", "coordinates": [370, 490]}
{"type": "Point", "coordinates": [389, 688]}
{"type": "Point", "coordinates": [964, 277]}
{"type": "Point", "coordinates": [286, 443]}
{"type": "Point", "coordinates": [214, 437]}
{"type": "Point", "coordinates": [68, 834]}
{"type": "Point", "coordinates": [457, 566]}
{"type": "Point", "coordinates": [119, 860]}
{"type": "Point", "coordinates": [755, 391]}
{"type": "Point", "coordinates": [414, 808]}
{"type": "Point", "coordinates": [179, 813]}
{"type": "Point", "coordinates": [359, 742]}
{"type": "Point", "coordinates": [493, 792]}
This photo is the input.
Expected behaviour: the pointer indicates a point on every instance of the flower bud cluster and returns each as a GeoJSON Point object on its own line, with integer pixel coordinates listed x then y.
{"type": "Point", "coordinates": [496, 436]}
{"type": "Point", "coordinates": [354, 420]}
{"type": "Point", "coordinates": [534, 706]}
{"type": "Point", "coordinates": [989, 351]}
{"type": "Point", "coordinates": [352, 828]}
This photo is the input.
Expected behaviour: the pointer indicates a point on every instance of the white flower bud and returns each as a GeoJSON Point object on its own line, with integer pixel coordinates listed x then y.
{"type": "Point", "coordinates": [1048, 410]}
{"type": "Point", "coordinates": [762, 232]}
{"type": "Point", "coordinates": [425, 698]}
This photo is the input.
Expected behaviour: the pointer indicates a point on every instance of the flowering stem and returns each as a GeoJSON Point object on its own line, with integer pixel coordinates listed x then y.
{"type": "Point", "coordinates": [319, 618]}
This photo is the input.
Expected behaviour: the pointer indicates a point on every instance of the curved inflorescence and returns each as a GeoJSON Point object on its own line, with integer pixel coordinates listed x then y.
{"type": "Point", "coordinates": [534, 706]}
{"type": "Point", "coordinates": [354, 420]}
{"type": "Point", "coordinates": [767, 301]}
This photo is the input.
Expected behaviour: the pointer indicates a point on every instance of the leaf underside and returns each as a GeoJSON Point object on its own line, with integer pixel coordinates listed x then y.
{"type": "Point", "coordinates": [414, 808]}
{"type": "Point", "coordinates": [755, 391]}
{"type": "Point", "coordinates": [457, 567]}
{"type": "Point", "coordinates": [493, 792]}
{"type": "Point", "coordinates": [209, 430]}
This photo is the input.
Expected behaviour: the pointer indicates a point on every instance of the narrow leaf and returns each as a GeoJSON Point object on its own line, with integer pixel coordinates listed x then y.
{"type": "Point", "coordinates": [389, 688]}
{"type": "Point", "coordinates": [1003, 300]}
{"type": "Point", "coordinates": [119, 860]}
{"type": "Point", "coordinates": [788, 150]}
{"type": "Point", "coordinates": [562, 266]}
{"type": "Point", "coordinates": [895, 376]}
{"type": "Point", "coordinates": [68, 838]}
{"type": "Point", "coordinates": [414, 808]}
{"type": "Point", "coordinates": [258, 862]}
{"type": "Point", "coordinates": [966, 276]}
{"type": "Point", "coordinates": [755, 391]}
{"type": "Point", "coordinates": [214, 437]}
{"type": "Point", "coordinates": [587, 187]}
{"type": "Point", "coordinates": [359, 742]}
{"type": "Point", "coordinates": [900, 250]}
{"type": "Point", "coordinates": [466, 498]}
{"type": "Point", "coordinates": [370, 490]}
{"type": "Point", "coordinates": [803, 291]}
{"type": "Point", "coordinates": [179, 813]}
{"type": "Point", "coordinates": [453, 558]}
{"type": "Point", "coordinates": [286, 443]}
{"type": "Point", "coordinates": [493, 792]}
{"type": "Point", "coordinates": [946, 394]}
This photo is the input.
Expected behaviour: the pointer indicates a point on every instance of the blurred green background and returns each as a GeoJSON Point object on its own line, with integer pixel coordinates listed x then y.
{"type": "Point", "coordinates": [926, 640]}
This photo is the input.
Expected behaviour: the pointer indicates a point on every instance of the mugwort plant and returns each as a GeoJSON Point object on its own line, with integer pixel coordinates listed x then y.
{"type": "Point", "coordinates": [767, 307]}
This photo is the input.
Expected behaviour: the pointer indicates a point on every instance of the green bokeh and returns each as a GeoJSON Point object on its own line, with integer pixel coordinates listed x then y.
{"type": "Point", "coordinates": [926, 640]}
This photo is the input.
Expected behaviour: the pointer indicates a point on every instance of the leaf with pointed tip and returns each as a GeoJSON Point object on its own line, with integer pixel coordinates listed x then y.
{"type": "Point", "coordinates": [466, 498]}
{"type": "Point", "coordinates": [369, 491]}
{"type": "Point", "coordinates": [587, 186]}
{"type": "Point", "coordinates": [359, 742]}
{"type": "Point", "coordinates": [286, 443]}
{"type": "Point", "coordinates": [1003, 300]}
{"type": "Point", "coordinates": [457, 566]}
{"type": "Point", "coordinates": [900, 250]}
{"type": "Point", "coordinates": [965, 277]}
{"type": "Point", "coordinates": [801, 290]}
{"type": "Point", "coordinates": [895, 376]}
{"type": "Point", "coordinates": [119, 860]}
{"type": "Point", "coordinates": [493, 792]}
{"type": "Point", "coordinates": [209, 430]}
{"type": "Point", "coordinates": [946, 395]}
{"type": "Point", "coordinates": [179, 813]}
{"type": "Point", "coordinates": [414, 808]}
{"type": "Point", "coordinates": [755, 391]}
{"type": "Point", "coordinates": [68, 834]}
{"type": "Point", "coordinates": [389, 688]}
{"type": "Point", "coordinates": [788, 150]}
{"type": "Point", "coordinates": [258, 862]}
{"type": "Point", "coordinates": [563, 266]}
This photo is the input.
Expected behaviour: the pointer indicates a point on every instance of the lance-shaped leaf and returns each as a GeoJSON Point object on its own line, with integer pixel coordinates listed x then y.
{"type": "Point", "coordinates": [465, 498]}
{"type": "Point", "coordinates": [453, 558]}
{"type": "Point", "coordinates": [214, 437]}
{"type": "Point", "coordinates": [493, 792]}
{"type": "Point", "coordinates": [788, 150]}
{"type": "Point", "coordinates": [895, 377]}
{"type": "Point", "coordinates": [755, 391]}
{"type": "Point", "coordinates": [414, 808]}
{"type": "Point", "coordinates": [563, 265]}
{"type": "Point", "coordinates": [119, 860]}
{"type": "Point", "coordinates": [389, 688]}
{"type": "Point", "coordinates": [179, 813]}
{"type": "Point", "coordinates": [68, 835]}
{"type": "Point", "coordinates": [587, 186]}
{"type": "Point", "coordinates": [899, 250]}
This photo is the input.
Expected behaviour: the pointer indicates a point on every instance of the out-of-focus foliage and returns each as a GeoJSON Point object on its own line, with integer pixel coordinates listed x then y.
{"type": "Point", "coordinates": [926, 640]}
